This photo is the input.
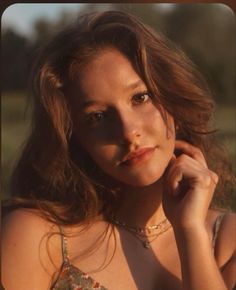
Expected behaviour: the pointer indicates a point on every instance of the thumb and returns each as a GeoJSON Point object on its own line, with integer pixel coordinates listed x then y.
{"type": "Point", "coordinates": [171, 162]}
{"type": "Point", "coordinates": [177, 178]}
{"type": "Point", "coordinates": [167, 173]}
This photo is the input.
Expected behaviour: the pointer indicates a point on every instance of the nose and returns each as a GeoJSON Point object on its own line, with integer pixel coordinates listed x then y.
{"type": "Point", "coordinates": [130, 129]}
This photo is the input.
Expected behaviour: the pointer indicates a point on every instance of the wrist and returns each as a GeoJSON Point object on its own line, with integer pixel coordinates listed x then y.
{"type": "Point", "coordinates": [193, 230]}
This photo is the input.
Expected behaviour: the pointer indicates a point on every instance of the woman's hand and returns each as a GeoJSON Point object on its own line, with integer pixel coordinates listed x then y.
{"type": "Point", "coordinates": [188, 187]}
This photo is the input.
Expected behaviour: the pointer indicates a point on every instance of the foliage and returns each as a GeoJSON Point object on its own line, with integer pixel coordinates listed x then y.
{"type": "Point", "coordinates": [206, 32]}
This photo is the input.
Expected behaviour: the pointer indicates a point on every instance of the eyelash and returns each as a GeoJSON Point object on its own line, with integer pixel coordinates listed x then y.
{"type": "Point", "coordinates": [95, 117]}
{"type": "Point", "coordinates": [143, 94]}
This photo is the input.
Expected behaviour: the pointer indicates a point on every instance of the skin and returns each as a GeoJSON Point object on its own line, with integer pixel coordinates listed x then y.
{"type": "Point", "coordinates": [119, 119]}
{"type": "Point", "coordinates": [115, 117]}
{"type": "Point", "coordinates": [112, 126]}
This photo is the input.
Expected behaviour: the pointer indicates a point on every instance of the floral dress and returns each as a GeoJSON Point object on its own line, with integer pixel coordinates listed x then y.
{"type": "Point", "coordinates": [71, 277]}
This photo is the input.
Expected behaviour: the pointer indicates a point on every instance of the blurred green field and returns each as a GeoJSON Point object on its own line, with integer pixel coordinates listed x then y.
{"type": "Point", "coordinates": [15, 123]}
{"type": "Point", "coordinates": [15, 126]}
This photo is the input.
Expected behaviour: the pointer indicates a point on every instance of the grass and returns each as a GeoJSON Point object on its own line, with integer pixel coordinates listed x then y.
{"type": "Point", "coordinates": [16, 125]}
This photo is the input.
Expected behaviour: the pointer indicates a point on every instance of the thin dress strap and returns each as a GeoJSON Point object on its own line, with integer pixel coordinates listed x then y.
{"type": "Point", "coordinates": [216, 229]}
{"type": "Point", "coordinates": [65, 254]}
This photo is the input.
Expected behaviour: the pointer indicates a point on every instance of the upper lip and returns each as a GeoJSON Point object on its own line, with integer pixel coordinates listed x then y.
{"type": "Point", "coordinates": [136, 153]}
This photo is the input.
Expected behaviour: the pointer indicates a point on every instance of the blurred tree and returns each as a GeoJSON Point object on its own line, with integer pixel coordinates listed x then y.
{"type": "Point", "coordinates": [147, 12]}
{"type": "Point", "coordinates": [14, 60]}
{"type": "Point", "coordinates": [207, 34]}
{"type": "Point", "coordinates": [44, 28]}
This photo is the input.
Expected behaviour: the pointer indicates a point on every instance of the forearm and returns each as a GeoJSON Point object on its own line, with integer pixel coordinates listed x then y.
{"type": "Point", "coordinates": [198, 265]}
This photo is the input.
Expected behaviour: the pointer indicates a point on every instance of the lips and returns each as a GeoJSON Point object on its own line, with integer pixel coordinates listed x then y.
{"type": "Point", "coordinates": [138, 156]}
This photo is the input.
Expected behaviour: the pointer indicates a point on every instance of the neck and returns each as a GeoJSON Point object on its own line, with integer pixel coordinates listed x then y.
{"type": "Point", "coordinates": [141, 206]}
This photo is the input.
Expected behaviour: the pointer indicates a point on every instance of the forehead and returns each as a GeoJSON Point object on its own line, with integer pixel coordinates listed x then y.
{"type": "Point", "coordinates": [109, 73]}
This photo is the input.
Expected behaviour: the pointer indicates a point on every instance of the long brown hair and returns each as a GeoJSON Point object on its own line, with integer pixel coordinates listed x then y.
{"type": "Point", "coordinates": [52, 174]}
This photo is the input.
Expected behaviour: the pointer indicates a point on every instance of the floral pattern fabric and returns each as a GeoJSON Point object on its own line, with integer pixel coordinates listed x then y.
{"type": "Point", "coordinates": [71, 278]}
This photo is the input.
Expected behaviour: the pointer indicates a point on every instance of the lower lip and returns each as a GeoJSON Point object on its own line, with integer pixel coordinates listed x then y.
{"type": "Point", "coordinates": [140, 158]}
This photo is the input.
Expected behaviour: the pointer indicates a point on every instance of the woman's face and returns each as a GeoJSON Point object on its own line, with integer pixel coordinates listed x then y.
{"type": "Point", "coordinates": [118, 124]}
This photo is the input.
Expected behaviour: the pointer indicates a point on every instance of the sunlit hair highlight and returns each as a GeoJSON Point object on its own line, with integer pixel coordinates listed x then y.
{"type": "Point", "coordinates": [54, 174]}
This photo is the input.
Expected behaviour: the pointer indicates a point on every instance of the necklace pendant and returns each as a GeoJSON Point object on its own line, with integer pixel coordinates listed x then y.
{"type": "Point", "coordinates": [146, 244]}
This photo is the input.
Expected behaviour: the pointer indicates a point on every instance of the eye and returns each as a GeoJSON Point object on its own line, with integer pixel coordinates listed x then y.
{"type": "Point", "coordinates": [141, 98]}
{"type": "Point", "coordinates": [95, 117]}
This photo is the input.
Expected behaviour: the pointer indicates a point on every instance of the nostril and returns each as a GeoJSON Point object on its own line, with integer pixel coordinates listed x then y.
{"type": "Point", "coordinates": [130, 141]}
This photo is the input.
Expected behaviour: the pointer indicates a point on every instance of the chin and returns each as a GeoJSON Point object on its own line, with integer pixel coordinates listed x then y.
{"type": "Point", "coordinates": [140, 183]}
{"type": "Point", "coordinates": [141, 180]}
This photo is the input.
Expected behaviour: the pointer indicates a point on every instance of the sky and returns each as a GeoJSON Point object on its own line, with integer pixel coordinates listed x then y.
{"type": "Point", "coordinates": [21, 16]}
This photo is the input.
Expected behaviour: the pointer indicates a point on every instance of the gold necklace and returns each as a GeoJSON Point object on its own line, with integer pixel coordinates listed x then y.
{"type": "Point", "coordinates": [146, 241]}
{"type": "Point", "coordinates": [144, 234]}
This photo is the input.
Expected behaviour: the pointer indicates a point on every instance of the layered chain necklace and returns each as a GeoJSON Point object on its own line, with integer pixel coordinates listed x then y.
{"type": "Point", "coordinates": [145, 235]}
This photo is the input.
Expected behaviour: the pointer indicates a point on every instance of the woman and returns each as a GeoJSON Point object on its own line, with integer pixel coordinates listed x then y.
{"type": "Point", "coordinates": [116, 179]}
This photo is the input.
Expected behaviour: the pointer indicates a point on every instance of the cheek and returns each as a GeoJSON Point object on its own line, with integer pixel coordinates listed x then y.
{"type": "Point", "coordinates": [160, 126]}
{"type": "Point", "coordinates": [101, 153]}
{"type": "Point", "coordinates": [163, 133]}
{"type": "Point", "coordinates": [95, 142]}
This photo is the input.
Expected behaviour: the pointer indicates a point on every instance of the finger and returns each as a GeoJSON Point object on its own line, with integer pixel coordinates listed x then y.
{"type": "Point", "coordinates": [191, 151]}
{"type": "Point", "coordinates": [173, 178]}
{"type": "Point", "coordinates": [172, 160]}
{"type": "Point", "coordinates": [170, 164]}
{"type": "Point", "coordinates": [177, 178]}
{"type": "Point", "coordinates": [185, 170]}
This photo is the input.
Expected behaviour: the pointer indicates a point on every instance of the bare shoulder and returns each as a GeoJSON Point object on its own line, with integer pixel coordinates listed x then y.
{"type": "Point", "coordinates": [30, 250]}
{"type": "Point", "coordinates": [22, 217]}
{"type": "Point", "coordinates": [222, 227]}
{"type": "Point", "coordinates": [26, 226]}
{"type": "Point", "coordinates": [225, 246]}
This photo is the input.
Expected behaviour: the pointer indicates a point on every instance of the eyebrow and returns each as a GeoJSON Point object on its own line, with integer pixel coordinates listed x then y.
{"type": "Point", "coordinates": [134, 85]}
{"type": "Point", "coordinates": [87, 104]}
{"type": "Point", "coordinates": [130, 86]}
